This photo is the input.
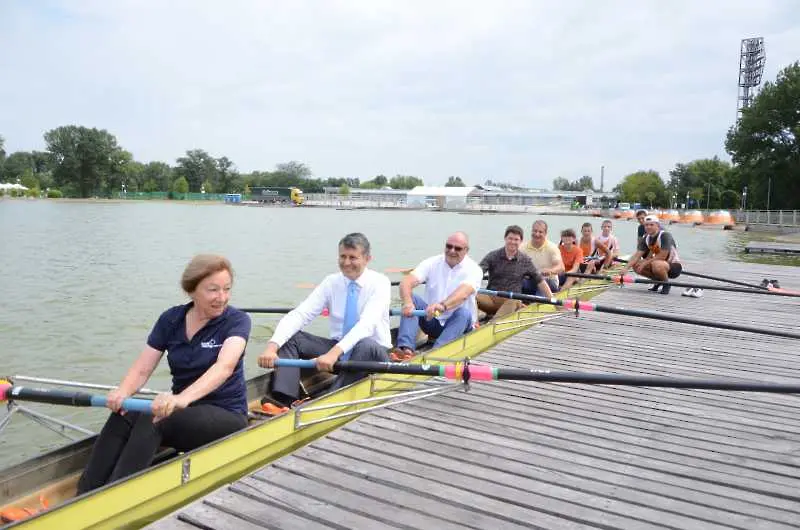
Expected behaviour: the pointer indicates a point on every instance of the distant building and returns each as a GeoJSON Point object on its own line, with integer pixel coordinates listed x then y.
{"type": "Point", "coordinates": [441, 197]}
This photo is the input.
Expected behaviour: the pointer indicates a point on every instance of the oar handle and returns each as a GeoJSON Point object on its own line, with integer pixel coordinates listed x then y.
{"type": "Point", "coordinates": [129, 404]}
{"type": "Point", "coordinates": [396, 311]}
{"type": "Point", "coordinates": [296, 363]}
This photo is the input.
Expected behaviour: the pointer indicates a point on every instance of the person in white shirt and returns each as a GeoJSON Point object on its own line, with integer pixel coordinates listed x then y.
{"type": "Point", "coordinates": [357, 300]}
{"type": "Point", "coordinates": [451, 282]}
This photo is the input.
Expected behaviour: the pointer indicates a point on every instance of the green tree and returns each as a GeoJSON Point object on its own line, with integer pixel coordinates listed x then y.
{"type": "Point", "coordinates": [584, 183]}
{"type": "Point", "coordinates": [2, 154]}
{"type": "Point", "coordinates": [15, 166]}
{"type": "Point", "coordinates": [453, 182]}
{"type": "Point", "coordinates": [227, 176]}
{"type": "Point", "coordinates": [197, 167]}
{"type": "Point", "coordinates": [765, 143]}
{"type": "Point", "coordinates": [636, 186]}
{"type": "Point", "coordinates": [344, 189]}
{"type": "Point", "coordinates": [83, 158]}
{"type": "Point", "coordinates": [712, 179]}
{"type": "Point", "coordinates": [294, 169]}
{"type": "Point", "coordinates": [159, 173]}
{"type": "Point", "coordinates": [561, 184]}
{"type": "Point", "coordinates": [181, 185]}
{"type": "Point", "coordinates": [405, 182]}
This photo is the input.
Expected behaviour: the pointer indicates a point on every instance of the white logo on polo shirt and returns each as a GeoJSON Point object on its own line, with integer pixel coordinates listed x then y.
{"type": "Point", "coordinates": [210, 344]}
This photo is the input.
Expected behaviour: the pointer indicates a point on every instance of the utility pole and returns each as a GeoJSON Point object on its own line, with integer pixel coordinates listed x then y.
{"type": "Point", "coordinates": [602, 175]}
{"type": "Point", "coordinates": [769, 191]}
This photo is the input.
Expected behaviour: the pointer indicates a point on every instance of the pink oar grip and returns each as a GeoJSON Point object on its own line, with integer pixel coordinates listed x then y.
{"type": "Point", "coordinates": [582, 306]}
{"type": "Point", "coordinates": [479, 372]}
{"type": "Point", "coordinates": [4, 388]}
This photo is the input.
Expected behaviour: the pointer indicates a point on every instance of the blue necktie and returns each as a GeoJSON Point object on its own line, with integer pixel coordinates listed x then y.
{"type": "Point", "coordinates": [350, 312]}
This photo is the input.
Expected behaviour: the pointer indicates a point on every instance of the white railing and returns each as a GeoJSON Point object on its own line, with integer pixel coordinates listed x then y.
{"type": "Point", "coordinates": [769, 217]}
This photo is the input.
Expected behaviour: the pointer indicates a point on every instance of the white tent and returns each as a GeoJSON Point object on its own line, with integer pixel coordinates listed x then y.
{"type": "Point", "coordinates": [9, 186]}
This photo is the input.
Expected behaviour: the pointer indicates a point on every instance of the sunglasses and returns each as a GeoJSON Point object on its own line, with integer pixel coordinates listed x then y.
{"type": "Point", "coordinates": [448, 246]}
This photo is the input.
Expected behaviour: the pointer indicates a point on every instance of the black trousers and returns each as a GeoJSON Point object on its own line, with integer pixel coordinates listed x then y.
{"type": "Point", "coordinates": [127, 444]}
{"type": "Point", "coordinates": [302, 345]}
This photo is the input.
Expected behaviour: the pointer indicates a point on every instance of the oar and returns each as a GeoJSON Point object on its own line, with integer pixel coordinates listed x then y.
{"type": "Point", "coordinates": [578, 305]}
{"type": "Point", "coordinates": [707, 277]}
{"type": "Point", "coordinates": [482, 372]}
{"type": "Point", "coordinates": [626, 278]}
{"type": "Point", "coordinates": [67, 397]}
{"type": "Point", "coordinates": [394, 311]}
{"type": "Point", "coordinates": [307, 285]}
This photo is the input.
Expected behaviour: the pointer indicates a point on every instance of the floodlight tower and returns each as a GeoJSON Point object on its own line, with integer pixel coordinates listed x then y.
{"type": "Point", "coordinates": [751, 67]}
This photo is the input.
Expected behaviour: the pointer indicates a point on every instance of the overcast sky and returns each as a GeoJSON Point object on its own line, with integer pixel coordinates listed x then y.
{"type": "Point", "coordinates": [518, 92]}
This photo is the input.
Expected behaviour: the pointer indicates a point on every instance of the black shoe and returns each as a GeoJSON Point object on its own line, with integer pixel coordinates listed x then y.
{"type": "Point", "coordinates": [655, 287]}
{"type": "Point", "coordinates": [775, 284]}
{"type": "Point", "coordinates": [665, 289]}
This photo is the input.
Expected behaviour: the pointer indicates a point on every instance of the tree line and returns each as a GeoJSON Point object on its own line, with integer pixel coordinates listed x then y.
{"type": "Point", "coordinates": [764, 146]}
{"type": "Point", "coordinates": [89, 162]}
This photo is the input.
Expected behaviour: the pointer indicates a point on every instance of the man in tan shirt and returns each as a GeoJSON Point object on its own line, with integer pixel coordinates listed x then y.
{"type": "Point", "coordinates": [545, 256]}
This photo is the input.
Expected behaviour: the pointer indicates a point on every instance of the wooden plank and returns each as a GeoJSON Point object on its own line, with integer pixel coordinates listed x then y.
{"type": "Point", "coordinates": [206, 517]}
{"type": "Point", "coordinates": [561, 460]}
{"type": "Point", "coordinates": [684, 464]}
{"type": "Point", "coordinates": [251, 506]}
{"type": "Point", "coordinates": [600, 482]}
{"type": "Point", "coordinates": [513, 486]}
{"type": "Point", "coordinates": [394, 509]}
{"type": "Point", "coordinates": [326, 511]}
{"type": "Point", "coordinates": [170, 523]}
{"type": "Point", "coordinates": [369, 490]}
{"type": "Point", "coordinates": [416, 479]}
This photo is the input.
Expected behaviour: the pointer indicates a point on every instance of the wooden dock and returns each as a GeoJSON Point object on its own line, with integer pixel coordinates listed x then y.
{"type": "Point", "coordinates": [565, 456]}
{"type": "Point", "coordinates": [765, 247]}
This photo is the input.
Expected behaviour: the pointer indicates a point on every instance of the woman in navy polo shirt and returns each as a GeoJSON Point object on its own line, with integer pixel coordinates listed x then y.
{"type": "Point", "coordinates": [205, 341]}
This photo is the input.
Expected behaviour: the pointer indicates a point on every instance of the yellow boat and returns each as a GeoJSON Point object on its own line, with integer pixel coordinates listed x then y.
{"type": "Point", "coordinates": [177, 479]}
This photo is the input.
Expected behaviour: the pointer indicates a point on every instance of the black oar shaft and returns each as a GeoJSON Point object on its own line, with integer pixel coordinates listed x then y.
{"type": "Point", "coordinates": [478, 372]}
{"type": "Point", "coordinates": [616, 279]}
{"type": "Point", "coordinates": [707, 277]}
{"type": "Point", "coordinates": [590, 306]}
{"type": "Point", "coordinates": [52, 396]}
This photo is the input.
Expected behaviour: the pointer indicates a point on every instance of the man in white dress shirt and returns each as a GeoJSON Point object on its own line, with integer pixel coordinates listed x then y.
{"type": "Point", "coordinates": [357, 299]}
{"type": "Point", "coordinates": [451, 282]}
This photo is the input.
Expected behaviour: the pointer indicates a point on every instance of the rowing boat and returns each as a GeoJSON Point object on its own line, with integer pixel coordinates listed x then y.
{"type": "Point", "coordinates": [176, 479]}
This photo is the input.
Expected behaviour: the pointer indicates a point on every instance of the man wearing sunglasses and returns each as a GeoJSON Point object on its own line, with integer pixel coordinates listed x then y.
{"type": "Point", "coordinates": [451, 281]}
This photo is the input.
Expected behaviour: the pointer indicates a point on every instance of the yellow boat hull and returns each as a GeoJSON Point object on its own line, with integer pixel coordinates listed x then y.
{"type": "Point", "coordinates": [159, 490]}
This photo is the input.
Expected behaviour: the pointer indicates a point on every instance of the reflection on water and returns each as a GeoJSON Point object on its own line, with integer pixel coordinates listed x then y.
{"type": "Point", "coordinates": [83, 283]}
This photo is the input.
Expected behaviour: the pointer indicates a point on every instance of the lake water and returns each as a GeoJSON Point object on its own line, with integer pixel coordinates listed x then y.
{"type": "Point", "coordinates": [83, 282]}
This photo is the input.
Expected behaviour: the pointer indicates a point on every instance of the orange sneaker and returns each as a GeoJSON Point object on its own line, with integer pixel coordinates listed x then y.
{"type": "Point", "coordinates": [12, 514]}
{"type": "Point", "coordinates": [271, 409]}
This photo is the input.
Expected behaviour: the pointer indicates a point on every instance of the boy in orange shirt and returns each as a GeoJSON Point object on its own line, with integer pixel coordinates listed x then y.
{"type": "Point", "coordinates": [571, 255]}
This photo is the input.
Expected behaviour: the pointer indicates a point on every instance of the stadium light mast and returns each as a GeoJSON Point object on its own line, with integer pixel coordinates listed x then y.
{"type": "Point", "coordinates": [752, 57]}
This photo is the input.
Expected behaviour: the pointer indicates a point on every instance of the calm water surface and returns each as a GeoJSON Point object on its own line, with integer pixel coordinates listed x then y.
{"type": "Point", "coordinates": [82, 283]}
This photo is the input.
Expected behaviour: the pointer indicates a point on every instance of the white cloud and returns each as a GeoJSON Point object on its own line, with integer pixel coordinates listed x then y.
{"type": "Point", "coordinates": [513, 91]}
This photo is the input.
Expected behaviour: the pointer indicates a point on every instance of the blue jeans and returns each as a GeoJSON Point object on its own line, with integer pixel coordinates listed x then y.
{"type": "Point", "coordinates": [528, 287]}
{"type": "Point", "coordinates": [458, 323]}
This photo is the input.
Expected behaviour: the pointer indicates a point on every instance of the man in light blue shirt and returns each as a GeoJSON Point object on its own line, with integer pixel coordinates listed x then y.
{"type": "Point", "coordinates": [357, 299]}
